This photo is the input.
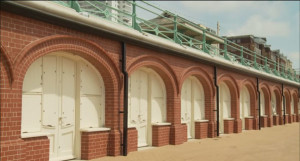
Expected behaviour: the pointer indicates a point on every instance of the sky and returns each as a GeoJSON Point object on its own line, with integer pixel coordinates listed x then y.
{"type": "Point", "coordinates": [278, 21]}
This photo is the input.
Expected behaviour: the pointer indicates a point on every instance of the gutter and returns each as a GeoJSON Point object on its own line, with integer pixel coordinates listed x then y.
{"type": "Point", "coordinates": [125, 101]}
{"type": "Point", "coordinates": [217, 100]}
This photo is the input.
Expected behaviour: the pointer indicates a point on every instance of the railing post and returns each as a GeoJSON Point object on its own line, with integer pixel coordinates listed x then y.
{"type": "Point", "coordinates": [74, 5]}
{"type": "Point", "coordinates": [242, 56]}
{"type": "Point", "coordinates": [225, 50]}
{"type": "Point", "coordinates": [176, 39]}
{"type": "Point", "coordinates": [204, 42]}
{"type": "Point", "coordinates": [255, 63]}
{"type": "Point", "coordinates": [266, 65]}
{"type": "Point", "coordinates": [134, 23]}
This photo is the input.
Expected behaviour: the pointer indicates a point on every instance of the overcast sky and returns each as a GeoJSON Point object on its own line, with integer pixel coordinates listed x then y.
{"type": "Point", "coordinates": [278, 21]}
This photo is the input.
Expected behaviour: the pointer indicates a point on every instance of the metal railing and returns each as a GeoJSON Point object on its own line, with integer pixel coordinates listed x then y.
{"type": "Point", "coordinates": [179, 30]}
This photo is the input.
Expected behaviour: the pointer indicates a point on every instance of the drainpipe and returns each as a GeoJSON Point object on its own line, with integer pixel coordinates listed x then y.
{"type": "Point", "coordinates": [125, 101]}
{"type": "Point", "coordinates": [283, 101]}
{"type": "Point", "coordinates": [259, 120]}
{"type": "Point", "coordinates": [217, 99]}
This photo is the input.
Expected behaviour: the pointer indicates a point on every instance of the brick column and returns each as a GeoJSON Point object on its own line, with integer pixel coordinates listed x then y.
{"type": "Point", "coordinates": [249, 123]}
{"type": "Point", "coordinates": [228, 126]}
{"type": "Point", "coordinates": [161, 135]}
{"type": "Point", "coordinates": [264, 121]}
{"type": "Point", "coordinates": [201, 129]}
{"type": "Point", "coordinates": [275, 120]}
{"type": "Point", "coordinates": [238, 125]}
{"type": "Point", "coordinates": [132, 139]}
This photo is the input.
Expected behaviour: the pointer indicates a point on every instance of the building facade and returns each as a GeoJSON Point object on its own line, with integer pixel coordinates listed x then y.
{"type": "Point", "coordinates": [62, 89]}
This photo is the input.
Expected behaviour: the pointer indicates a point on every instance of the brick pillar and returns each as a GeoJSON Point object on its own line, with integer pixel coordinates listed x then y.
{"type": "Point", "coordinates": [281, 120]}
{"type": "Point", "coordinates": [184, 133]}
{"type": "Point", "coordinates": [270, 121]}
{"type": "Point", "coordinates": [132, 139]}
{"type": "Point", "coordinates": [263, 121]}
{"type": "Point", "coordinates": [249, 123]}
{"type": "Point", "coordinates": [212, 127]}
{"type": "Point", "coordinates": [176, 134]}
{"type": "Point", "coordinates": [160, 135]}
{"type": "Point", "coordinates": [275, 120]}
{"type": "Point", "coordinates": [256, 123]}
{"type": "Point", "coordinates": [201, 130]}
{"type": "Point", "coordinates": [114, 143]}
{"type": "Point", "coordinates": [228, 126]}
{"type": "Point", "coordinates": [237, 126]}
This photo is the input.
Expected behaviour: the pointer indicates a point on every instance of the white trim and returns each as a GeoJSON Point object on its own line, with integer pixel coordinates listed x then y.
{"type": "Point", "coordinates": [201, 120]}
{"type": "Point", "coordinates": [34, 134]}
{"type": "Point", "coordinates": [161, 123]}
{"type": "Point", "coordinates": [51, 8]}
{"type": "Point", "coordinates": [94, 129]}
{"type": "Point", "coordinates": [249, 117]}
{"type": "Point", "coordinates": [131, 126]}
{"type": "Point", "coordinates": [228, 119]}
{"type": "Point", "coordinates": [264, 116]}
{"type": "Point", "coordinates": [275, 115]}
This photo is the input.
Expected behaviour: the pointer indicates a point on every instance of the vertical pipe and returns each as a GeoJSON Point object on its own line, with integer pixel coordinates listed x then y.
{"type": "Point", "coordinates": [125, 99]}
{"type": "Point", "coordinates": [217, 99]}
{"type": "Point", "coordinates": [283, 103]}
{"type": "Point", "coordinates": [259, 120]}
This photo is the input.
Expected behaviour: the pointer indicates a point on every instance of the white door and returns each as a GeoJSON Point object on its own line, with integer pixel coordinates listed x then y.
{"type": "Point", "coordinates": [138, 105]}
{"type": "Point", "coordinates": [146, 100]}
{"type": "Point", "coordinates": [244, 105]}
{"type": "Point", "coordinates": [186, 105]}
{"type": "Point", "coordinates": [273, 104]}
{"type": "Point", "coordinates": [292, 106]}
{"type": "Point", "coordinates": [262, 103]}
{"type": "Point", "coordinates": [192, 104]}
{"type": "Point", "coordinates": [225, 105]}
{"type": "Point", "coordinates": [58, 117]}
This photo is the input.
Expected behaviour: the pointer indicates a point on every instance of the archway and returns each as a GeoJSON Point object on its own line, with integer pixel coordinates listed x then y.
{"type": "Point", "coordinates": [61, 95]}
{"type": "Point", "coordinates": [192, 104]}
{"type": "Point", "coordinates": [147, 103]}
{"type": "Point", "coordinates": [225, 105]}
{"type": "Point", "coordinates": [244, 105]}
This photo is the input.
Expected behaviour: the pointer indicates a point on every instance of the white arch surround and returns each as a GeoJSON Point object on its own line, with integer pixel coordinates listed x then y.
{"type": "Point", "coordinates": [147, 103]}
{"type": "Point", "coordinates": [65, 94]}
{"type": "Point", "coordinates": [192, 104]}
{"type": "Point", "coordinates": [244, 105]}
{"type": "Point", "coordinates": [225, 105]}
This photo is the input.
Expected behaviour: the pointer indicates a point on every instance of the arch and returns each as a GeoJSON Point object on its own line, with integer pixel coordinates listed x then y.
{"type": "Point", "coordinates": [85, 49]}
{"type": "Point", "coordinates": [207, 83]}
{"type": "Point", "coordinates": [7, 64]}
{"type": "Point", "coordinates": [234, 93]}
{"type": "Point", "coordinates": [264, 87]}
{"type": "Point", "coordinates": [294, 96]}
{"type": "Point", "coordinates": [167, 75]}
{"type": "Point", "coordinates": [277, 92]}
{"type": "Point", "coordinates": [287, 95]}
{"type": "Point", "coordinates": [245, 105]}
{"type": "Point", "coordinates": [251, 87]}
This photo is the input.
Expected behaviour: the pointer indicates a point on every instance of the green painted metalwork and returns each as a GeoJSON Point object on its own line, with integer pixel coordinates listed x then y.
{"type": "Point", "coordinates": [179, 30]}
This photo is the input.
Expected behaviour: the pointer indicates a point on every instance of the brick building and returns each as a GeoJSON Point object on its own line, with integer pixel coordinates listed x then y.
{"type": "Point", "coordinates": [63, 88]}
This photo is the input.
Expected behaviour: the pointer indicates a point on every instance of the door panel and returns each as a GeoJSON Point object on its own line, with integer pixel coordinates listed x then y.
{"type": "Point", "coordinates": [143, 108]}
{"type": "Point", "coordinates": [33, 78]}
{"type": "Point", "coordinates": [262, 103]}
{"type": "Point", "coordinates": [89, 111]}
{"type": "Point", "coordinates": [90, 83]}
{"type": "Point", "coordinates": [32, 104]}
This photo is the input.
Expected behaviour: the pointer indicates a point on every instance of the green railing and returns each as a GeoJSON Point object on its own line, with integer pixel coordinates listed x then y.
{"type": "Point", "coordinates": [179, 30]}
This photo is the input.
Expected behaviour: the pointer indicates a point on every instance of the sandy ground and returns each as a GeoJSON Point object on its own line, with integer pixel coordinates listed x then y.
{"type": "Point", "coordinates": [279, 143]}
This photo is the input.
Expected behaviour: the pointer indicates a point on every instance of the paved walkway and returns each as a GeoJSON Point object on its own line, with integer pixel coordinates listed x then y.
{"type": "Point", "coordinates": [279, 143]}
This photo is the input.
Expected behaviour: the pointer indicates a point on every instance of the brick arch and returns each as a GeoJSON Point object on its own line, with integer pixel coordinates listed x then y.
{"type": "Point", "coordinates": [87, 50]}
{"type": "Point", "coordinates": [277, 92]}
{"type": "Point", "coordinates": [287, 95]}
{"type": "Point", "coordinates": [253, 94]}
{"type": "Point", "coordinates": [294, 96]}
{"type": "Point", "coordinates": [234, 92]}
{"type": "Point", "coordinates": [6, 64]}
{"type": "Point", "coordinates": [167, 75]}
{"type": "Point", "coordinates": [207, 84]}
{"type": "Point", "coordinates": [264, 87]}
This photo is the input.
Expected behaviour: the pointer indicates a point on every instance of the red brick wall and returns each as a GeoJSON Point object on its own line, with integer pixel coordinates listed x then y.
{"type": "Point", "coordinates": [249, 124]}
{"type": "Point", "coordinates": [94, 144]}
{"type": "Point", "coordinates": [23, 40]}
{"type": "Point", "coordinates": [132, 140]}
{"type": "Point", "coordinates": [37, 149]}
{"type": "Point", "coordinates": [275, 120]}
{"type": "Point", "coordinates": [264, 121]}
{"type": "Point", "coordinates": [160, 135]}
{"type": "Point", "coordinates": [228, 126]}
{"type": "Point", "coordinates": [201, 130]}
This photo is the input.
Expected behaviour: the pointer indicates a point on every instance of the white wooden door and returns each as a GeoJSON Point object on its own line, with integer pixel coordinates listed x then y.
{"type": "Point", "coordinates": [146, 100]}
{"type": "Point", "coordinates": [186, 105]}
{"type": "Point", "coordinates": [59, 105]}
{"type": "Point", "coordinates": [244, 105]}
{"type": "Point", "coordinates": [225, 105]}
{"type": "Point", "coordinates": [138, 105]}
{"type": "Point", "coordinates": [273, 104]}
{"type": "Point", "coordinates": [262, 103]}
